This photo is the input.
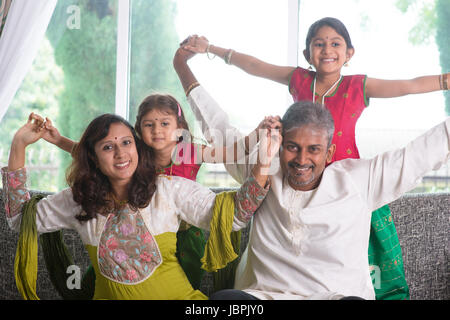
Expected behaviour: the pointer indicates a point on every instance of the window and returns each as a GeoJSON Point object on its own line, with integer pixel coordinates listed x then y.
{"type": "Point", "coordinates": [256, 27]}
{"type": "Point", "coordinates": [71, 81]}
{"type": "Point", "coordinates": [107, 55]}
{"type": "Point", "coordinates": [232, 23]}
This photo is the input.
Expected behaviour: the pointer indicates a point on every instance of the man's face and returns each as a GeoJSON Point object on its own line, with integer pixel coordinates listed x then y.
{"type": "Point", "coordinates": [304, 155]}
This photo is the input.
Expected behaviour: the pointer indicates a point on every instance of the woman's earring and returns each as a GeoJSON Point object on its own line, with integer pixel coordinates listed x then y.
{"type": "Point", "coordinates": [310, 68]}
{"type": "Point", "coordinates": [346, 64]}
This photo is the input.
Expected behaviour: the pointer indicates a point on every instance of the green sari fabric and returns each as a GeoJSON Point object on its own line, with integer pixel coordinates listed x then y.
{"type": "Point", "coordinates": [57, 260]}
{"type": "Point", "coordinates": [56, 255]}
{"type": "Point", "coordinates": [219, 249]}
{"type": "Point", "coordinates": [385, 258]}
{"type": "Point", "coordinates": [190, 249]}
{"type": "Point", "coordinates": [26, 260]}
{"type": "Point", "coordinates": [223, 245]}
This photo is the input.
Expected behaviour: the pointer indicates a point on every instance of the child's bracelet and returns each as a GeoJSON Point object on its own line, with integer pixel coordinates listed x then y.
{"type": "Point", "coordinates": [191, 87]}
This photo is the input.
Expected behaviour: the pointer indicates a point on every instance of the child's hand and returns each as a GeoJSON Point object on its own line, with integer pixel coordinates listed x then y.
{"type": "Point", "coordinates": [270, 143]}
{"type": "Point", "coordinates": [51, 134]}
{"type": "Point", "coordinates": [31, 132]}
{"type": "Point", "coordinates": [195, 44]}
{"type": "Point", "coordinates": [270, 122]}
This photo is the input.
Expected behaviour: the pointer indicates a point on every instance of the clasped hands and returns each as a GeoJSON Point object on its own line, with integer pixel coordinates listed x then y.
{"type": "Point", "coordinates": [36, 128]}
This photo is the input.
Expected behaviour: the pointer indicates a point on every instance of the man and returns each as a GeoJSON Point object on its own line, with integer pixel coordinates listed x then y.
{"type": "Point", "coordinates": [310, 237]}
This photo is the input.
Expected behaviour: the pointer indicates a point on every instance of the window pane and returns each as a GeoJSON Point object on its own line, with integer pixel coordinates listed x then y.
{"type": "Point", "coordinates": [72, 81]}
{"type": "Point", "coordinates": [254, 26]}
{"type": "Point", "coordinates": [381, 33]}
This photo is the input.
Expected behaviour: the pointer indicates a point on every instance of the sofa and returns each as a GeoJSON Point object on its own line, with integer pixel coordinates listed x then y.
{"type": "Point", "coordinates": [422, 222]}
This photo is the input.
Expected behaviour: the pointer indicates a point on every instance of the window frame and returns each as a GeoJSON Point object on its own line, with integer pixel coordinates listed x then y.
{"type": "Point", "coordinates": [123, 58]}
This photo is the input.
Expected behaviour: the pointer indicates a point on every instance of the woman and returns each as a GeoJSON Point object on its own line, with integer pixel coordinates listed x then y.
{"type": "Point", "coordinates": [126, 216]}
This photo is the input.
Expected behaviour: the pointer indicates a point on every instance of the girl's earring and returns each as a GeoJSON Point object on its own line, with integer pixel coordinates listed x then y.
{"type": "Point", "coordinates": [346, 64]}
{"type": "Point", "coordinates": [310, 68]}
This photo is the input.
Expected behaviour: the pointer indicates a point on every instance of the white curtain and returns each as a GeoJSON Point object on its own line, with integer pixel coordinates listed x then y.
{"type": "Point", "coordinates": [4, 9]}
{"type": "Point", "coordinates": [23, 31]}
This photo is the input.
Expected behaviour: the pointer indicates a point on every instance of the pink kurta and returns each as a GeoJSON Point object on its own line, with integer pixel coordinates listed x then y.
{"type": "Point", "coordinates": [186, 162]}
{"type": "Point", "coordinates": [345, 104]}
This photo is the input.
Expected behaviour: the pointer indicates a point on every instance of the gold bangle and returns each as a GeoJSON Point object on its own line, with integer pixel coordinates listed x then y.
{"type": "Point", "coordinates": [191, 87]}
{"type": "Point", "coordinates": [444, 81]}
{"type": "Point", "coordinates": [228, 55]}
{"type": "Point", "coordinates": [208, 52]}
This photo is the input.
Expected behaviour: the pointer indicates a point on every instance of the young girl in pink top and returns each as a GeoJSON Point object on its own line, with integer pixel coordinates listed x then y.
{"type": "Point", "coordinates": [328, 49]}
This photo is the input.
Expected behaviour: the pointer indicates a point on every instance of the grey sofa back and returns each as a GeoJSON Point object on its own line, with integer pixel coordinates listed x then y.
{"type": "Point", "coordinates": [422, 222]}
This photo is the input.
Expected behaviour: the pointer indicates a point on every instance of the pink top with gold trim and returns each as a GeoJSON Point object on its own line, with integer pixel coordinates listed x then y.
{"type": "Point", "coordinates": [346, 105]}
{"type": "Point", "coordinates": [186, 162]}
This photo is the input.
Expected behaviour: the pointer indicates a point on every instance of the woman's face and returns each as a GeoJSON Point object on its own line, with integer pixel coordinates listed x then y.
{"type": "Point", "coordinates": [117, 156]}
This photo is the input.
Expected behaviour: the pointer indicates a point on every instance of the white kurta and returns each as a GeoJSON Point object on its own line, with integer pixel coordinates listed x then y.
{"type": "Point", "coordinates": [175, 199]}
{"type": "Point", "coordinates": [314, 244]}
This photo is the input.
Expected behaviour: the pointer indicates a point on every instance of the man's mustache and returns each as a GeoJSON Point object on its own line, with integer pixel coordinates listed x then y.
{"type": "Point", "coordinates": [295, 165]}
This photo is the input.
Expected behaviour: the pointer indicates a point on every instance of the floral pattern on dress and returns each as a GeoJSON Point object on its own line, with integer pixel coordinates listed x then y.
{"type": "Point", "coordinates": [248, 199]}
{"type": "Point", "coordinates": [15, 191]}
{"type": "Point", "coordinates": [127, 252]}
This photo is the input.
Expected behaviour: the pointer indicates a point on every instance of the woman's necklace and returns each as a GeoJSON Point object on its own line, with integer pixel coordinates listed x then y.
{"type": "Point", "coordinates": [328, 91]}
{"type": "Point", "coordinates": [118, 202]}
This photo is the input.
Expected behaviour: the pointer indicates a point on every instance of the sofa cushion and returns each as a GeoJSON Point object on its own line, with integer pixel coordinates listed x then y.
{"type": "Point", "coordinates": [422, 222]}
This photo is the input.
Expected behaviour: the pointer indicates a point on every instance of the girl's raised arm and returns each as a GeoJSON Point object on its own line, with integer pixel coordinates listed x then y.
{"type": "Point", "coordinates": [53, 136]}
{"type": "Point", "coordinates": [378, 88]}
{"type": "Point", "coordinates": [248, 63]}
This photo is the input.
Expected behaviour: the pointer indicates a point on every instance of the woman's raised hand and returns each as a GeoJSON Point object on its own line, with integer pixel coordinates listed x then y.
{"type": "Point", "coordinates": [28, 134]}
{"type": "Point", "coordinates": [31, 131]}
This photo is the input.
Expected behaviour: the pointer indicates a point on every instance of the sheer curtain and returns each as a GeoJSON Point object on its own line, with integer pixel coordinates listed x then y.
{"type": "Point", "coordinates": [23, 31]}
{"type": "Point", "coordinates": [4, 8]}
